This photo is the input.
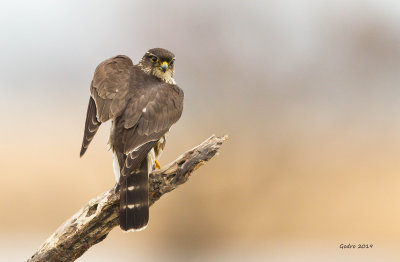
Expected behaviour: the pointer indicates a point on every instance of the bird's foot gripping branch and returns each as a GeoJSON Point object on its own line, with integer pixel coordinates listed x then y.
{"type": "Point", "coordinates": [94, 221]}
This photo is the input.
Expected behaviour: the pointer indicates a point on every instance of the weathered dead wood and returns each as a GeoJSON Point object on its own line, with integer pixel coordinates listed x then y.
{"type": "Point", "coordinates": [94, 221]}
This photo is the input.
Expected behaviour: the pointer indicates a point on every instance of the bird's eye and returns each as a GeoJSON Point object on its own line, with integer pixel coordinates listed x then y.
{"type": "Point", "coordinates": [154, 59]}
{"type": "Point", "coordinates": [172, 62]}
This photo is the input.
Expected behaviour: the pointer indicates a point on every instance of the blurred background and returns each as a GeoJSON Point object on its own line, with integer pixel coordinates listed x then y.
{"type": "Point", "coordinates": [308, 92]}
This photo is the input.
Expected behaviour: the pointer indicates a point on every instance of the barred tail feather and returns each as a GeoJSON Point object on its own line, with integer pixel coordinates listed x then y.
{"type": "Point", "coordinates": [134, 204]}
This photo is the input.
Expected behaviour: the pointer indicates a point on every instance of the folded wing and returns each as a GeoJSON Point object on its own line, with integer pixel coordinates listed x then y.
{"type": "Point", "coordinates": [109, 95]}
{"type": "Point", "coordinates": [147, 117]}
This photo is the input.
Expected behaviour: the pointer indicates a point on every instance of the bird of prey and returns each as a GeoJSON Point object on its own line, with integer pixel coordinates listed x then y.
{"type": "Point", "coordinates": [143, 102]}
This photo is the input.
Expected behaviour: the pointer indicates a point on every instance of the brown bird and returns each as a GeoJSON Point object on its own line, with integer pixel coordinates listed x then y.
{"type": "Point", "coordinates": [143, 102]}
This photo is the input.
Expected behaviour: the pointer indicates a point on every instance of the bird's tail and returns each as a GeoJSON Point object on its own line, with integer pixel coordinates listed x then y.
{"type": "Point", "coordinates": [134, 204]}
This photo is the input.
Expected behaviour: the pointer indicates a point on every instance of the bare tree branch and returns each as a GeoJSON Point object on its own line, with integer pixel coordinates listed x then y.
{"type": "Point", "coordinates": [94, 221]}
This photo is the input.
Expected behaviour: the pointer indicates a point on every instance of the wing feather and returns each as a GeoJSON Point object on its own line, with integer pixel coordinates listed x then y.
{"type": "Point", "coordinates": [91, 126]}
{"type": "Point", "coordinates": [139, 126]}
{"type": "Point", "coordinates": [109, 94]}
{"type": "Point", "coordinates": [110, 86]}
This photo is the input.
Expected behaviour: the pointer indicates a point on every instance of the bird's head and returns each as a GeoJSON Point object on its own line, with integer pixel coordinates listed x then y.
{"type": "Point", "coordinates": [160, 63]}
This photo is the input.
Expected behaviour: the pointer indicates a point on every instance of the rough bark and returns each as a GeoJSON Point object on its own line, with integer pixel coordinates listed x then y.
{"type": "Point", "coordinates": [94, 221]}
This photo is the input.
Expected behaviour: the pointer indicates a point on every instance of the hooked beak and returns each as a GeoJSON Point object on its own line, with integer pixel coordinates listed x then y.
{"type": "Point", "coordinates": [164, 66]}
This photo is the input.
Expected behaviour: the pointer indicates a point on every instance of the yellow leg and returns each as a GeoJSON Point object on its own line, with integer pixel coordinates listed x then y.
{"type": "Point", "coordinates": [157, 164]}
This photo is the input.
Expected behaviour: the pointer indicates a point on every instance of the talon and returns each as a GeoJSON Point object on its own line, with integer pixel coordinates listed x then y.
{"type": "Point", "coordinates": [157, 164]}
